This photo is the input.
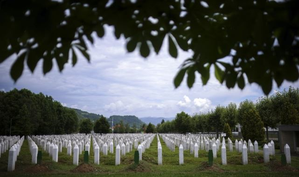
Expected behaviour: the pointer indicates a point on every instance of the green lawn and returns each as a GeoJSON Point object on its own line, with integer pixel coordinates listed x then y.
{"type": "Point", "coordinates": [149, 166]}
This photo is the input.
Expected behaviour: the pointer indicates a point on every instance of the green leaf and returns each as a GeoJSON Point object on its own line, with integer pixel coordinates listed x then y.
{"type": "Point", "coordinates": [290, 71]}
{"type": "Point", "coordinates": [278, 78]}
{"type": "Point", "coordinates": [191, 77]}
{"type": "Point", "coordinates": [32, 60]}
{"type": "Point", "coordinates": [205, 74]}
{"type": "Point", "coordinates": [47, 65]}
{"type": "Point", "coordinates": [60, 63]}
{"type": "Point", "coordinates": [84, 53]}
{"type": "Point", "coordinates": [82, 43]}
{"type": "Point", "coordinates": [157, 42]}
{"type": "Point", "coordinates": [172, 47]}
{"type": "Point", "coordinates": [100, 31]}
{"type": "Point", "coordinates": [241, 82]}
{"type": "Point", "coordinates": [74, 57]}
{"type": "Point", "coordinates": [18, 66]}
{"type": "Point", "coordinates": [179, 77]}
{"type": "Point", "coordinates": [89, 37]}
{"type": "Point", "coordinates": [218, 73]}
{"type": "Point", "coordinates": [144, 49]}
{"type": "Point", "coordinates": [267, 84]}
{"type": "Point", "coordinates": [117, 32]}
{"type": "Point", "coordinates": [231, 79]}
{"type": "Point", "coordinates": [181, 42]}
{"type": "Point", "coordinates": [131, 45]}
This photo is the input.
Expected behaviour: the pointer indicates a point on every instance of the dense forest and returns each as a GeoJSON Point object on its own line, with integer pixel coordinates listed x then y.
{"type": "Point", "coordinates": [25, 113]}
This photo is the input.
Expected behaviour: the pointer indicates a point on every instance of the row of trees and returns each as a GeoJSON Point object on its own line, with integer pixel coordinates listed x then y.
{"type": "Point", "coordinates": [24, 113]}
{"type": "Point", "coordinates": [280, 108]}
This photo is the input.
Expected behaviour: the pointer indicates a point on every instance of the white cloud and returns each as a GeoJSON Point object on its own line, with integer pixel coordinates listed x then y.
{"type": "Point", "coordinates": [204, 104]}
{"type": "Point", "coordinates": [198, 105]}
{"type": "Point", "coordinates": [117, 106]}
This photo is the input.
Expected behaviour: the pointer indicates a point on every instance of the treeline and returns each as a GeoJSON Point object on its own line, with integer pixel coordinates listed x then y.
{"type": "Point", "coordinates": [271, 111]}
{"type": "Point", "coordinates": [25, 113]}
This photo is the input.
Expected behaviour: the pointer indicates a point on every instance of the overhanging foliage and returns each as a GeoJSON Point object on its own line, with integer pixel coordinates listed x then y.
{"type": "Point", "coordinates": [259, 37]}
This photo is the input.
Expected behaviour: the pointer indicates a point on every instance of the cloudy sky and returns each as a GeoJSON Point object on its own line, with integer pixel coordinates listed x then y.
{"type": "Point", "coordinates": [121, 83]}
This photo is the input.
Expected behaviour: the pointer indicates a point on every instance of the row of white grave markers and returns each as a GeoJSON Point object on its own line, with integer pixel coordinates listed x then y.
{"type": "Point", "coordinates": [52, 145]}
{"type": "Point", "coordinates": [159, 151]}
{"type": "Point", "coordinates": [33, 150]}
{"type": "Point", "coordinates": [241, 146]}
{"type": "Point", "coordinates": [6, 142]}
{"type": "Point", "coordinates": [13, 153]}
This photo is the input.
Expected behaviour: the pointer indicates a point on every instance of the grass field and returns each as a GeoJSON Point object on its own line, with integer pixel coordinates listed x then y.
{"type": "Point", "coordinates": [148, 166]}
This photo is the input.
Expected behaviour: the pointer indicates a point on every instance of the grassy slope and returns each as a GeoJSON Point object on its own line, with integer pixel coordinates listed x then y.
{"type": "Point", "coordinates": [148, 166]}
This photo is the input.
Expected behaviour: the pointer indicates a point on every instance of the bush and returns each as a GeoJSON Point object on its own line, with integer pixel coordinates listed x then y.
{"type": "Point", "coordinates": [227, 130]}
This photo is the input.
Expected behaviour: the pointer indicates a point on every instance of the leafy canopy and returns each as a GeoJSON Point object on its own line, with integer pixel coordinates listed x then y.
{"type": "Point", "coordinates": [259, 38]}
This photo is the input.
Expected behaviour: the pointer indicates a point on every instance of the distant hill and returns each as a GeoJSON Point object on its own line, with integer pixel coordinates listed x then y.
{"type": "Point", "coordinates": [155, 120]}
{"type": "Point", "coordinates": [83, 114]}
{"type": "Point", "coordinates": [131, 120]}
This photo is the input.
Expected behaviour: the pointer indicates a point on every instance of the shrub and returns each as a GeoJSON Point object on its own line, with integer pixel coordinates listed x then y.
{"type": "Point", "coordinates": [227, 130]}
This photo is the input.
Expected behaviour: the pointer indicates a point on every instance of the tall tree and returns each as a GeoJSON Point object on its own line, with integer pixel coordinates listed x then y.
{"type": "Point", "coordinates": [230, 114]}
{"type": "Point", "coordinates": [286, 106]}
{"type": "Point", "coordinates": [86, 126]}
{"type": "Point", "coordinates": [216, 119]}
{"type": "Point", "coordinates": [243, 107]}
{"type": "Point", "coordinates": [101, 125]}
{"type": "Point", "coordinates": [183, 123]}
{"type": "Point", "coordinates": [253, 127]}
{"type": "Point", "coordinates": [150, 128]}
{"type": "Point", "coordinates": [265, 109]}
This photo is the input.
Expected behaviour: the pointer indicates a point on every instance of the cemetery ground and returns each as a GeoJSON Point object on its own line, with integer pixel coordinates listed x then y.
{"type": "Point", "coordinates": [149, 165]}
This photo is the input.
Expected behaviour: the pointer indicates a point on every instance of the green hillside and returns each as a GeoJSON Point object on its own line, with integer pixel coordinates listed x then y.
{"type": "Point", "coordinates": [131, 120]}
{"type": "Point", "coordinates": [83, 114]}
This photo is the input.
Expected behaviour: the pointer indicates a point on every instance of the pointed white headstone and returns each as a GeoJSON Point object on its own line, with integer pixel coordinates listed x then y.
{"type": "Point", "coordinates": [196, 150]}
{"type": "Point", "coordinates": [244, 155]}
{"type": "Point", "coordinates": [223, 155]}
{"type": "Point", "coordinates": [181, 155]}
{"type": "Point", "coordinates": [214, 150]}
{"type": "Point", "coordinates": [76, 155]}
{"type": "Point", "coordinates": [159, 154]}
{"type": "Point", "coordinates": [256, 147]}
{"type": "Point", "coordinates": [117, 155]}
{"type": "Point", "coordinates": [287, 152]}
{"type": "Point", "coordinates": [266, 153]}
{"type": "Point", "coordinates": [96, 154]}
